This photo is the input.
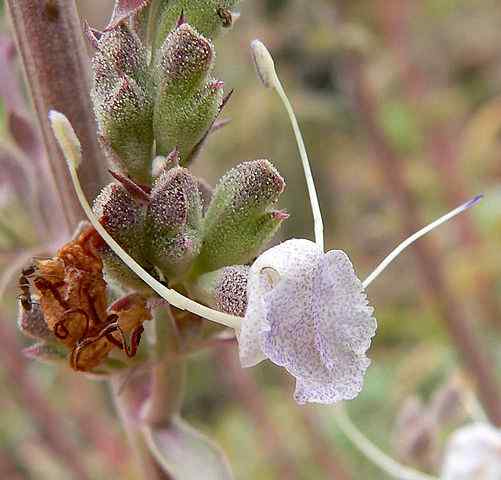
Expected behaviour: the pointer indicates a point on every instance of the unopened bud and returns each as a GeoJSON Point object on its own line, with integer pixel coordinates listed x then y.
{"type": "Point", "coordinates": [265, 66]}
{"type": "Point", "coordinates": [124, 119]}
{"type": "Point", "coordinates": [174, 220]}
{"type": "Point", "coordinates": [186, 58]}
{"type": "Point", "coordinates": [225, 289]}
{"type": "Point", "coordinates": [239, 221]}
{"type": "Point", "coordinates": [183, 121]}
{"type": "Point", "coordinates": [119, 52]}
{"type": "Point", "coordinates": [123, 218]}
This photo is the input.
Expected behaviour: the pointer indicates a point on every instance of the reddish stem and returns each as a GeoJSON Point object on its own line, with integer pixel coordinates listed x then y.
{"type": "Point", "coordinates": [50, 41]}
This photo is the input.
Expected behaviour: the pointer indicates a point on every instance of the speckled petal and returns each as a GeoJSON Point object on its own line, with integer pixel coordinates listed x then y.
{"type": "Point", "coordinates": [311, 316]}
{"type": "Point", "coordinates": [255, 326]}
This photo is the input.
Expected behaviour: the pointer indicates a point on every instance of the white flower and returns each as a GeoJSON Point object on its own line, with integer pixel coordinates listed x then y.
{"type": "Point", "coordinates": [473, 453]}
{"type": "Point", "coordinates": [307, 311]}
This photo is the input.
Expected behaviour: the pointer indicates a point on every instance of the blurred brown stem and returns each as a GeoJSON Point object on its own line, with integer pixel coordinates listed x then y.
{"type": "Point", "coordinates": [50, 41]}
{"type": "Point", "coordinates": [247, 393]}
{"type": "Point", "coordinates": [473, 354]}
{"type": "Point", "coordinates": [395, 18]}
{"type": "Point", "coordinates": [46, 420]}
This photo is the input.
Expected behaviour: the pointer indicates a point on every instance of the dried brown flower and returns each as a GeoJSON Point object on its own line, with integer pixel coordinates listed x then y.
{"type": "Point", "coordinates": [73, 299]}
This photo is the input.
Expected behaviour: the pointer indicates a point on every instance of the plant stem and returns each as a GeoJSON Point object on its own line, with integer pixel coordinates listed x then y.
{"type": "Point", "coordinates": [128, 402]}
{"type": "Point", "coordinates": [473, 354]}
{"type": "Point", "coordinates": [168, 375]}
{"type": "Point", "coordinates": [51, 44]}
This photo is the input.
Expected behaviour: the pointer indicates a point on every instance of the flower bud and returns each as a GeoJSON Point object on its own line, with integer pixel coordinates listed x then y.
{"type": "Point", "coordinates": [207, 16]}
{"type": "Point", "coordinates": [187, 103]}
{"type": "Point", "coordinates": [119, 52]}
{"type": "Point", "coordinates": [121, 100]}
{"type": "Point", "coordinates": [123, 218]}
{"type": "Point", "coordinates": [174, 218]}
{"type": "Point", "coordinates": [239, 223]}
{"type": "Point", "coordinates": [124, 119]}
{"type": "Point", "coordinates": [32, 323]}
{"type": "Point", "coordinates": [225, 289]}
{"type": "Point", "coordinates": [186, 58]}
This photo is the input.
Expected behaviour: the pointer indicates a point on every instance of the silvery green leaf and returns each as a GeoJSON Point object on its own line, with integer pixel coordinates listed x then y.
{"type": "Point", "coordinates": [186, 454]}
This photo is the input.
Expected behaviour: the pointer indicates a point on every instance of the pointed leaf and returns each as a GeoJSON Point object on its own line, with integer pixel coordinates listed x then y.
{"type": "Point", "coordinates": [186, 454]}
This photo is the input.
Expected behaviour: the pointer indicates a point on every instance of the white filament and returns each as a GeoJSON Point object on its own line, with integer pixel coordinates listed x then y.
{"type": "Point", "coordinates": [372, 452]}
{"type": "Point", "coordinates": [268, 75]}
{"type": "Point", "coordinates": [70, 145]}
{"type": "Point", "coordinates": [409, 241]}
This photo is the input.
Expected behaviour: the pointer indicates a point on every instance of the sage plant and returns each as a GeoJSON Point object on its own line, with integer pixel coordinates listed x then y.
{"type": "Point", "coordinates": [161, 243]}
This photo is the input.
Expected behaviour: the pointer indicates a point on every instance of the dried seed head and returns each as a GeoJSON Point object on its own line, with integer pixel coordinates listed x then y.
{"type": "Point", "coordinates": [239, 221]}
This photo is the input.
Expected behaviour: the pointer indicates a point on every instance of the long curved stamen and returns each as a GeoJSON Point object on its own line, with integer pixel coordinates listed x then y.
{"type": "Point", "coordinates": [70, 146]}
{"type": "Point", "coordinates": [409, 241]}
{"type": "Point", "coordinates": [268, 75]}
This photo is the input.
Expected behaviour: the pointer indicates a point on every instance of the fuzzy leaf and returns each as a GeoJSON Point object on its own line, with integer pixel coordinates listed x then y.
{"type": "Point", "coordinates": [186, 454]}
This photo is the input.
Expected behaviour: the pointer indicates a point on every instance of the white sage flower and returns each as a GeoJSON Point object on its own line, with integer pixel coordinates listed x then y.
{"type": "Point", "coordinates": [473, 453]}
{"type": "Point", "coordinates": [307, 311]}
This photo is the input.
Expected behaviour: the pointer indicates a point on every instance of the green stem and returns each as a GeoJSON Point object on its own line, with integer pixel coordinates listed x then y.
{"type": "Point", "coordinates": [168, 375]}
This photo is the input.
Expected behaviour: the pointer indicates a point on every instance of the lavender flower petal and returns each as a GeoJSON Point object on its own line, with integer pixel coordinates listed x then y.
{"type": "Point", "coordinates": [307, 312]}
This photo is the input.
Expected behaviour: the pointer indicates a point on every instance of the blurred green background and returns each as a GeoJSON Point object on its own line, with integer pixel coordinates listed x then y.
{"type": "Point", "coordinates": [434, 67]}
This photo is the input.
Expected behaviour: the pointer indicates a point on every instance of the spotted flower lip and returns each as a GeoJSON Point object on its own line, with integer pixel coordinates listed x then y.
{"type": "Point", "coordinates": [307, 311]}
